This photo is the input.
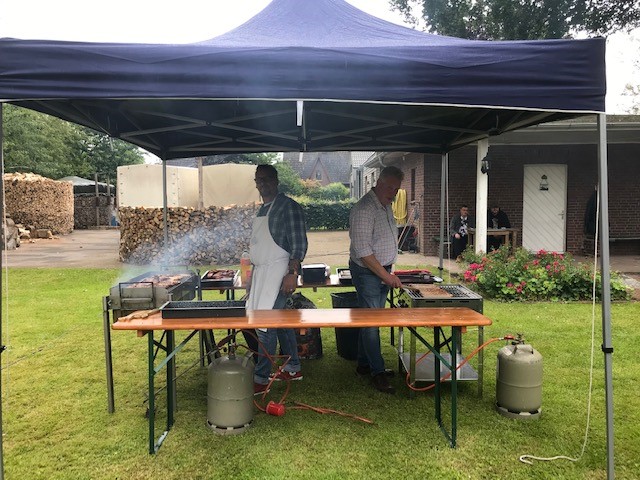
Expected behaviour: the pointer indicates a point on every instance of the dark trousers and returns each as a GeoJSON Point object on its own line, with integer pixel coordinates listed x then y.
{"type": "Point", "coordinates": [458, 245]}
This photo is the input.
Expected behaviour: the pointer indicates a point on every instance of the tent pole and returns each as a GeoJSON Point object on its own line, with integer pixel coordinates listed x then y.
{"type": "Point", "coordinates": [165, 224]}
{"type": "Point", "coordinates": [2, 346]}
{"type": "Point", "coordinates": [443, 181]}
{"type": "Point", "coordinates": [607, 346]}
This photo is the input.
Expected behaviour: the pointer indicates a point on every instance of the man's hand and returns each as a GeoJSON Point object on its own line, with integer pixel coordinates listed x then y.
{"type": "Point", "coordinates": [392, 281]}
{"type": "Point", "coordinates": [289, 283]}
{"type": "Point", "coordinates": [457, 235]}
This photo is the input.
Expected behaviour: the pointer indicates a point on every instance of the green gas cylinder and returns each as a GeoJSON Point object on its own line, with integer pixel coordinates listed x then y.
{"type": "Point", "coordinates": [230, 394]}
{"type": "Point", "coordinates": [519, 381]}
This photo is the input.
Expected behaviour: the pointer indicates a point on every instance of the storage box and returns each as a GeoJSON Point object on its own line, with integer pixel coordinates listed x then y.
{"type": "Point", "coordinates": [315, 273]}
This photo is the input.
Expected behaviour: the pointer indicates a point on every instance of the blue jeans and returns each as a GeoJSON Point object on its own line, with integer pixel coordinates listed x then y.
{"type": "Point", "coordinates": [269, 340]}
{"type": "Point", "coordinates": [372, 293]}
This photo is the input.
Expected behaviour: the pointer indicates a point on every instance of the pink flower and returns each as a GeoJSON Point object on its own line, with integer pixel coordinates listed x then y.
{"type": "Point", "coordinates": [510, 285]}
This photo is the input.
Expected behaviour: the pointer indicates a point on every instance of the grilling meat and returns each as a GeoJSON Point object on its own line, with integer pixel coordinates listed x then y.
{"type": "Point", "coordinates": [162, 280]}
{"type": "Point", "coordinates": [220, 274]}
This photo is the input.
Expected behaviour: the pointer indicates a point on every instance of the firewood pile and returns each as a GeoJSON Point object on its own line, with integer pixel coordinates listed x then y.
{"type": "Point", "coordinates": [39, 201]}
{"type": "Point", "coordinates": [213, 236]}
{"type": "Point", "coordinates": [85, 211]}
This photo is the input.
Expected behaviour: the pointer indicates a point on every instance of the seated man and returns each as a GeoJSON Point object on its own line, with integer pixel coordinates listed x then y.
{"type": "Point", "coordinates": [496, 218]}
{"type": "Point", "coordinates": [459, 231]}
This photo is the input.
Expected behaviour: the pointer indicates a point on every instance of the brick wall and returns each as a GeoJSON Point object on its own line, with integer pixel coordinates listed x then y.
{"type": "Point", "coordinates": [505, 187]}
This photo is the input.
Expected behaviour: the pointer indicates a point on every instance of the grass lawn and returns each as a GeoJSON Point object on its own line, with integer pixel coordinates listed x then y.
{"type": "Point", "coordinates": [56, 424]}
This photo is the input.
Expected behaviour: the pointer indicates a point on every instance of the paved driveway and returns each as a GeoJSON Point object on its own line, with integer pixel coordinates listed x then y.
{"type": "Point", "coordinates": [99, 248]}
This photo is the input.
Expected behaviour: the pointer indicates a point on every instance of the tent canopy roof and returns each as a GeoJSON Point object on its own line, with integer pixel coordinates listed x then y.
{"type": "Point", "coordinates": [306, 75]}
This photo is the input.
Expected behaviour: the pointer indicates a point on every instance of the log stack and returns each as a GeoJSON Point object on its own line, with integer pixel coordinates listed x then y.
{"type": "Point", "coordinates": [35, 200]}
{"type": "Point", "coordinates": [212, 236]}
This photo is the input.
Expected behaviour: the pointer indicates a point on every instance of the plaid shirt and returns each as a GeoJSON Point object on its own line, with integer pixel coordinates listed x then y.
{"type": "Point", "coordinates": [373, 230]}
{"type": "Point", "coordinates": [287, 225]}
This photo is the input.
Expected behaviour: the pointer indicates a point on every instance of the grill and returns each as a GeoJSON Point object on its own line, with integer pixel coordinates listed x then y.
{"type": "Point", "coordinates": [420, 296]}
{"type": "Point", "coordinates": [434, 296]}
{"type": "Point", "coordinates": [152, 290]}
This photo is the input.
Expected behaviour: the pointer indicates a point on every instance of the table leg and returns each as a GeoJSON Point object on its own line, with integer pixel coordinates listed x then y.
{"type": "Point", "coordinates": [171, 384]}
{"type": "Point", "coordinates": [412, 364]}
{"type": "Point", "coordinates": [436, 375]}
{"type": "Point", "coordinates": [106, 328]}
{"type": "Point", "coordinates": [480, 360]}
{"type": "Point", "coordinates": [455, 332]}
{"type": "Point", "coordinates": [151, 399]}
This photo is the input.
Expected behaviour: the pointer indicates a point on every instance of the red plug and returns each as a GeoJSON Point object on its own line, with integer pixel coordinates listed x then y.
{"type": "Point", "coordinates": [276, 409]}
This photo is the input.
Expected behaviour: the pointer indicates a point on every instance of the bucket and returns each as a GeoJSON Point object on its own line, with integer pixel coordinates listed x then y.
{"type": "Point", "coordinates": [346, 338]}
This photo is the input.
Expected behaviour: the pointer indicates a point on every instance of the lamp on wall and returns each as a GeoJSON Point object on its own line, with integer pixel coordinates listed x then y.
{"type": "Point", "coordinates": [485, 165]}
{"type": "Point", "coordinates": [544, 184]}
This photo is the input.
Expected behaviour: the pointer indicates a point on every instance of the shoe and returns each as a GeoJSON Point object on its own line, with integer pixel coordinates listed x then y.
{"type": "Point", "coordinates": [287, 376]}
{"type": "Point", "coordinates": [366, 370]}
{"type": "Point", "coordinates": [259, 388]}
{"type": "Point", "coordinates": [381, 383]}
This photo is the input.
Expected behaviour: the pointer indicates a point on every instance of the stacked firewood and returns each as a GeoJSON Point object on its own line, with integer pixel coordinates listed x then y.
{"type": "Point", "coordinates": [39, 201]}
{"type": "Point", "coordinates": [213, 236]}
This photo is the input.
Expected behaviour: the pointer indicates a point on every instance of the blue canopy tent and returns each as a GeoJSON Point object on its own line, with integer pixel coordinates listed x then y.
{"type": "Point", "coordinates": [316, 75]}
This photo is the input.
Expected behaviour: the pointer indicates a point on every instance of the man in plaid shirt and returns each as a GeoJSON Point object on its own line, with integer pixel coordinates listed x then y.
{"type": "Point", "coordinates": [374, 248]}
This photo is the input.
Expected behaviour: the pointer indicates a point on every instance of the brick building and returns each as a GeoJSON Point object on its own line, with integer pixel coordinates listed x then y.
{"type": "Point", "coordinates": [569, 147]}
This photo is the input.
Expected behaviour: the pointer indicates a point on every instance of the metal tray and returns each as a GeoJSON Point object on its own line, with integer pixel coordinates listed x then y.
{"type": "Point", "coordinates": [203, 309]}
{"type": "Point", "coordinates": [344, 276]}
{"type": "Point", "coordinates": [218, 282]}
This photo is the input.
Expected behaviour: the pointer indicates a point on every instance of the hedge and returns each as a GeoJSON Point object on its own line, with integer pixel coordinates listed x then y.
{"type": "Point", "coordinates": [323, 215]}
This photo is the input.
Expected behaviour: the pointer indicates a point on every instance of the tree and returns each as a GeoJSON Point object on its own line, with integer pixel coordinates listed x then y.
{"type": "Point", "coordinates": [105, 154]}
{"type": "Point", "coordinates": [289, 179]}
{"type": "Point", "coordinates": [242, 158]}
{"type": "Point", "coordinates": [523, 19]}
{"type": "Point", "coordinates": [42, 144]}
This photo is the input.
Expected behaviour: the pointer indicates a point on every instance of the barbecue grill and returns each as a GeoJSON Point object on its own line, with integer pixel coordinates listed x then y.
{"type": "Point", "coordinates": [418, 296]}
{"type": "Point", "coordinates": [151, 290]}
{"type": "Point", "coordinates": [148, 291]}
{"type": "Point", "coordinates": [438, 296]}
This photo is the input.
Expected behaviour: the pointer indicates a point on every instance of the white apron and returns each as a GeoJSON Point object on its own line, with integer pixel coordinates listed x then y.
{"type": "Point", "coordinates": [270, 261]}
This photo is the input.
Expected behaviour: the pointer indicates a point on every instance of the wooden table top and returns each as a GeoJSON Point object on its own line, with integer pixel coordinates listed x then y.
{"type": "Point", "coordinates": [314, 318]}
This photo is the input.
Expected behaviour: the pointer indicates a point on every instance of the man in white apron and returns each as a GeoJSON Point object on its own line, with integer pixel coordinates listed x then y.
{"type": "Point", "coordinates": [373, 251]}
{"type": "Point", "coordinates": [278, 246]}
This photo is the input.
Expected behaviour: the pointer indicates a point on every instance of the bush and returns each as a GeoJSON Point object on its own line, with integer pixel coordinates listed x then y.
{"type": "Point", "coordinates": [534, 277]}
{"type": "Point", "coordinates": [322, 215]}
{"type": "Point", "coordinates": [332, 193]}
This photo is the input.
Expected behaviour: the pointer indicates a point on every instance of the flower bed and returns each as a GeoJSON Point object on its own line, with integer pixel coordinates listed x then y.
{"type": "Point", "coordinates": [526, 276]}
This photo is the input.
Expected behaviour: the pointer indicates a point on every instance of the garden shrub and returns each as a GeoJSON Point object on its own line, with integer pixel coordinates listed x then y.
{"type": "Point", "coordinates": [323, 215]}
{"type": "Point", "coordinates": [535, 276]}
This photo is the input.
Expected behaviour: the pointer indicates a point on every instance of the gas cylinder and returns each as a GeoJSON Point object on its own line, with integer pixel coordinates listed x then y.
{"type": "Point", "coordinates": [230, 394]}
{"type": "Point", "coordinates": [519, 381]}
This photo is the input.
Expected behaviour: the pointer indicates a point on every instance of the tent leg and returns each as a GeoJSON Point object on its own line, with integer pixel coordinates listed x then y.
{"type": "Point", "coordinates": [443, 222]}
{"type": "Point", "coordinates": [607, 346]}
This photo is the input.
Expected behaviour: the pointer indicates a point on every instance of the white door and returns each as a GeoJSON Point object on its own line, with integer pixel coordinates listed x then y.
{"type": "Point", "coordinates": [544, 207]}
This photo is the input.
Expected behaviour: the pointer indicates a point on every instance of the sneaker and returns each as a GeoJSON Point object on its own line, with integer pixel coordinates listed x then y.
{"type": "Point", "coordinates": [289, 376]}
{"type": "Point", "coordinates": [259, 388]}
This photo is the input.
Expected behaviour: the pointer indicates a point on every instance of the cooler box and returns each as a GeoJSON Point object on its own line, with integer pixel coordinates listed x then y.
{"type": "Point", "coordinates": [314, 273]}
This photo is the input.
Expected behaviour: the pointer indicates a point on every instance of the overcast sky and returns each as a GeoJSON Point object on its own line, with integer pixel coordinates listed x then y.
{"type": "Point", "coordinates": [187, 21]}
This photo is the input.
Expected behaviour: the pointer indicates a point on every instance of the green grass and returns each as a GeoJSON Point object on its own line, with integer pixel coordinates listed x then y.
{"type": "Point", "coordinates": [56, 424]}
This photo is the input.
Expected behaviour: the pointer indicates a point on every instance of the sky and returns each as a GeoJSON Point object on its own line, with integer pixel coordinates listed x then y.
{"type": "Point", "coordinates": [185, 21]}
